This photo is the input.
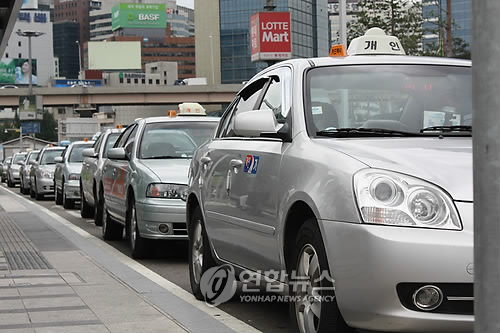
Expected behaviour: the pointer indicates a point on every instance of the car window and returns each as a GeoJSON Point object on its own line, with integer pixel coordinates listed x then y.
{"type": "Point", "coordinates": [129, 144]}
{"type": "Point", "coordinates": [49, 156]}
{"type": "Point", "coordinates": [7, 160]}
{"type": "Point", "coordinates": [393, 97]}
{"type": "Point", "coordinates": [247, 101]}
{"type": "Point", "coordinates": [174, 140]}
{"type": "Point", "coordinates": [18, 158]}
{"type": "Point", "coordinates": [75, 155]}
{"type": "Point", "coordinates": [112, 138]}
{"type": "Point", "coordinates": [33, 157]}
{"type": "Point", "coordinates": [98, 143]}
{"type": "Point", "coordinates": [124, 136]}
{"type": "Point", "coordinates": [275, 96]}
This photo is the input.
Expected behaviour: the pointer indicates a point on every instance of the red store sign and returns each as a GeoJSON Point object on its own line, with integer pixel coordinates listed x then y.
{"type": "Point", "coordinates": [270, 36]}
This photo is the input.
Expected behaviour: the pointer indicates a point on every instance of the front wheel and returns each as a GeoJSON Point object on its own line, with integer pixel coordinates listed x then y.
{"type": "Point", "coordinates": [111, 230]}
{"type": "Point", "coordinates": [200, 255]}
{"type": "Point", "coordinates": [86, 210]}
{"type": "Point", "coordinates": [67, 203]}
{"type": "Point", "coordinates": [138, 245]}
{"type": "Point", "coordinates": [315, 307]}
{"type": "Point", "coordinates": [38, 196]}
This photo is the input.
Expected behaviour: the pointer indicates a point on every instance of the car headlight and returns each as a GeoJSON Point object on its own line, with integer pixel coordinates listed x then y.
{"type": "Point", "coordinates": [74, 176]}
{"type": "Point", "coordinates": [390, 198]}
{"type": "Point", "coordinates": [167, 191]}
{"type": "Point", "coordinates": [46, 174]}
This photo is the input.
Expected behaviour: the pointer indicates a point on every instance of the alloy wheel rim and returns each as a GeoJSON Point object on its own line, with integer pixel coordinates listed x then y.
{"type": "Point", "coordinates": [197, 252]}
{"type": "Point", "coordinates": [307, 306]}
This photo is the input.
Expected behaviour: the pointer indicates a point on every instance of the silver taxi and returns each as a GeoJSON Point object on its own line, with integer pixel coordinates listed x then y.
{"type": "Point", "coordinates": [42, 172]}
{"type": "Point", "coordinates": [13, 169]}
{"type": "Point", "coordinates": [5, 166]}
{"type": "Point", "coordinates": [24, 171]}
{"type": "Point", "coordinates": [67, 174]}
{"type": "Point", "coordinates": [91, 174]}
{"type": "Point", "coordinates": [352, 175]}
{"type": "Point", "coordinates": [144, 179]}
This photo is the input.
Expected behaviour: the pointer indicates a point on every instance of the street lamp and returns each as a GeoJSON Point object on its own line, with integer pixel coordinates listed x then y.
{"type": "Point", "coordinates": [29, 34]}
{"type": "Point", "coordinates": [79, 62]}
{"type": "Point", "coordinates": [212, 57]}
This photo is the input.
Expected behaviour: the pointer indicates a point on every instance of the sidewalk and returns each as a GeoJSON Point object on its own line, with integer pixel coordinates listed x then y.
{"type": "Point", "coordinates": [54, 277]}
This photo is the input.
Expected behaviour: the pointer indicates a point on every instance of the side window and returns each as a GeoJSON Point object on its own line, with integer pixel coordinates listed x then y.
{"type": "Point", "coordinates": [98, 143]}
{"type": "Point", "coordinates": [248, 99]}
{"type": "Point", "coordinates": [130, 141]}
{"type": "Point", "coordinates": [225, 118]}
{"type": "Point", "coordinates": [123, 138]}
{"type": "Point", "coordinates": [65, 154]}
{"type": "Point", "coordinates": [273, 98]}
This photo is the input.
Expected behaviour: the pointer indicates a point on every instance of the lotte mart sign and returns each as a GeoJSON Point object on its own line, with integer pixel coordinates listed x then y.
{"type": "Point", "coordinates": [270, 36]}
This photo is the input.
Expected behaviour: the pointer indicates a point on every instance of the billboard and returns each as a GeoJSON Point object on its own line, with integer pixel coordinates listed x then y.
{"type": "Point", "coordinates": [16, 71]}
{"type": "Point", "coordinates": [30, 4]}
{"type": "Point", "coordinates": [270, 36]}
{"type": "Point", "coordinates": [136, 15]}
{"type": "Point", "coordinates": [114, 55]}
{"type": "Point", "coordinates": [63, 83]}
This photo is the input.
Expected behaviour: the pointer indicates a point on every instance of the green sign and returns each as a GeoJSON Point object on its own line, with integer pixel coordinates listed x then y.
{"type": "Point", "coordinates": [136, 15]}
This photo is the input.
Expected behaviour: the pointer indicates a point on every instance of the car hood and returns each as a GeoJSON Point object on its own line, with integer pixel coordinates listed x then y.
{"type": "Point", "coordinates": [74, 167]}
{"type": "Point", "coordinates": [47, 167]}
{"type": "Point", "coordinates": [15, 167]}
{"type": "Point", "coordinates": [446, 162]}
{"type": "Point", "coordinates": [169, 170]}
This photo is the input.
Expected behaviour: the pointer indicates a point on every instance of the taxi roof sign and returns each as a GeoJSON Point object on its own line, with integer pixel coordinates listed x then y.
{"type": "Point", "coordinates": [338, 51]}
{"type": "Point", "coordinates": [375, 41]}
{"type": "Point", "coordinates": [190, 109]}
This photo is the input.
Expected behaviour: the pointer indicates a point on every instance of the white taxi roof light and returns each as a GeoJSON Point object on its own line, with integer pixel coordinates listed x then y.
{"type": "Point", "coordinates": [375, 41]}
{"type": "Point", "coordinates": [190, 109]}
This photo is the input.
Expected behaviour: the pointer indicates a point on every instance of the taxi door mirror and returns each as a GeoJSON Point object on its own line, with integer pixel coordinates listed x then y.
{"type": "Point", "coordinates": [117, 154]}
{"type": "Point", "coordinates": [58, 159]}
{"type": "Point", "coordinates": [89, 152]}
{"type": "Point", "coordinates": [254, 123]}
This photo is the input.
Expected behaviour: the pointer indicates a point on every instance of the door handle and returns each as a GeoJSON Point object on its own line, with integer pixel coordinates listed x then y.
{"type": "Point", "coordinates": [236, 163]}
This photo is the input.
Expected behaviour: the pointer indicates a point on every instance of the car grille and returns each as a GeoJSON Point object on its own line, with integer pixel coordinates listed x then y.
{"type": "Point", "coordinates": [458, 298]}
{"type": "Point", "coordinates": [180, 229]}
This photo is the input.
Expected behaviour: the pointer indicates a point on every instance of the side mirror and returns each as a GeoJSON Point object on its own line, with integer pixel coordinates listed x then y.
{"type": "Point", "coordinates": [117, 154]}
{"type": "Point", "coordinates": [89, 152]}
{"type": "Point", "coordinates": [58, 159]}
{"type": "Point", "coordinates": [20, 163]}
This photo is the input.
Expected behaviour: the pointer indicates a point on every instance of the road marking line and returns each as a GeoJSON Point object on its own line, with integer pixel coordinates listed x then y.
{"type": "Point", "coordinates": [217, 314]}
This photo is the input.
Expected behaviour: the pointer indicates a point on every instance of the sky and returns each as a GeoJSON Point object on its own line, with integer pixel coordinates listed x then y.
{"type": "Point", "coordinates": [186, 3]}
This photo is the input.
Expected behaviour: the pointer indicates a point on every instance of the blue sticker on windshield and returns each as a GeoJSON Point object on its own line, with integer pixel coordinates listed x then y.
{"type": "Point", "coordinates": [251, 164]}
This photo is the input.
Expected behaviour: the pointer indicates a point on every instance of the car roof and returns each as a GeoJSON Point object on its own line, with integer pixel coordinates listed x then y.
{"type": "Point", "coordinates": [54, 148]}
{"type": "Point", "coordinates": [181, 119]}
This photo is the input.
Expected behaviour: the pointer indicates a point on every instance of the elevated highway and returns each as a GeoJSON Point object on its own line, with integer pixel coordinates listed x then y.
{"type": "Point", "coordinates": [124, 95]}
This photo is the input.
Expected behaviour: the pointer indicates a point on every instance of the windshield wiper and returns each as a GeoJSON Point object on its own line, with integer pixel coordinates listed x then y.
{"type": "Point", "coordinates": [457, 128]}
{"type": "Point", "coordinates": [362, 131]}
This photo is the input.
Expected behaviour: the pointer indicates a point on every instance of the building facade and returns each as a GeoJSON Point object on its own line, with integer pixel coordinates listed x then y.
{"type": "Point", "coordinates": [434, 13]}
{"type": "Point", "coordinates": [223, 35]}
{"type": "Point", "coordinates": [66, 49]}
{"type": "Point", "coordinates": [18, 48]}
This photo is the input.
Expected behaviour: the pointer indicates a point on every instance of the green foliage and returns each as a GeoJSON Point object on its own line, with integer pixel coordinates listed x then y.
{"type": "Point", "coordinates": [400, 18]}
{"type": "Point", "coordinates": [48, 127]}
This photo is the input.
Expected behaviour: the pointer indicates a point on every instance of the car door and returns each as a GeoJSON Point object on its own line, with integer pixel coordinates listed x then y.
{"type": "Point", "coordinates": [59, 171]}
{"type": "Point", "coordinates": [242, 180]}
{"type": "Point", "coordinates": [88, 170]}
{"type": "Point", "coordinates": [112, 179]}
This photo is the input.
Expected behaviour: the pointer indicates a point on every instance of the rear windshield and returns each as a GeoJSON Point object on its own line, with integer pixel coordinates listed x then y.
{"type": "Point", "coordinates": [49, 156]}
{"type": "Point", "coordinates": [393, 97]}
{"type": "Point", "coordinates": [75, 155]}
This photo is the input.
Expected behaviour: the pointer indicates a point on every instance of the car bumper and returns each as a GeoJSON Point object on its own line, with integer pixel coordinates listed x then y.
{"type": "Point", "coordinates": [15, 177]}
{"type": "Point", "coordinates": [72, 190]}
{"type": "Point", "coordinates": [45, 185]}
{"type": "Point", "coordinates": [369, 267]}
{"type": "Point", "coordinates": [155, 212]}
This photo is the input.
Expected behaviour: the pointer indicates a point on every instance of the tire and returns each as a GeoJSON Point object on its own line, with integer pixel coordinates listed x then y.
{"type": "Point", "coordinates": [309, 248]}
{"type": "Point", "coordinates": [200, 255]}
{"type": "Point", "coordinates": [111, 230]}
{"type": "Point", "coordinates": [21, 186]}
{"type": "Point", "coordinates": [38, 196]}
{"type": "Point", "coordinates": [9, 183]}
{"type": "Point", "coordinates": [138, 245]}
{"type": "Point", "coordinates": [32, 191]}
{"type": "Point", "coordinates": [98, 208]}
{"type": "Point", "coordinates": [86, 210]}
{"type": "Point", "coordinates": [59, 199]}
{"type": "Point", "coordinates": [67, 203]}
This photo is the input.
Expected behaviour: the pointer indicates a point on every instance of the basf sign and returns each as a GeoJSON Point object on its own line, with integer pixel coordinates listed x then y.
{"type": "Point", "coordinates": [134, 15]}
{"type": "Point", "coordinates": [270, 36]}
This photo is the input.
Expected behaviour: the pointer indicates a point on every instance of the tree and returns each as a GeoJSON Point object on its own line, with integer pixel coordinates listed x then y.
{"type": "Point", "coordinates": [48, 127]}
{"type": "Point", "coordinates": [400, 18]}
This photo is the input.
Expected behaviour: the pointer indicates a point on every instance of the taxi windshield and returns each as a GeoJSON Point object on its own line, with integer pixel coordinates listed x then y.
{"type": "Point", "coordinates": [398, 98]}
{"type": "Point", "coordinates": [174, 139]}
{"type": "Point", "coordinates": [18, 158]}
{"type": "Point", "coordinates": [49, 156]}
{"type": "Point", "coordinates": [76, 155]}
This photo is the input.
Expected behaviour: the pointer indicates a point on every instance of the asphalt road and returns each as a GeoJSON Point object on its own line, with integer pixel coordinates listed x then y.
{"type": "Point", "coordinates": [169, 259]}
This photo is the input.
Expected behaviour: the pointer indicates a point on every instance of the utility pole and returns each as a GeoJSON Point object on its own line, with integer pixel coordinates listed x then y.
{"type": "Point", "coordinates": [486, 164]}
{"type": "Point", "coordinates": [449, 37]}
{"type": "Point", "coordinates": [343, 22]}
{"type": "Point", "coordinates": [269, 7]}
